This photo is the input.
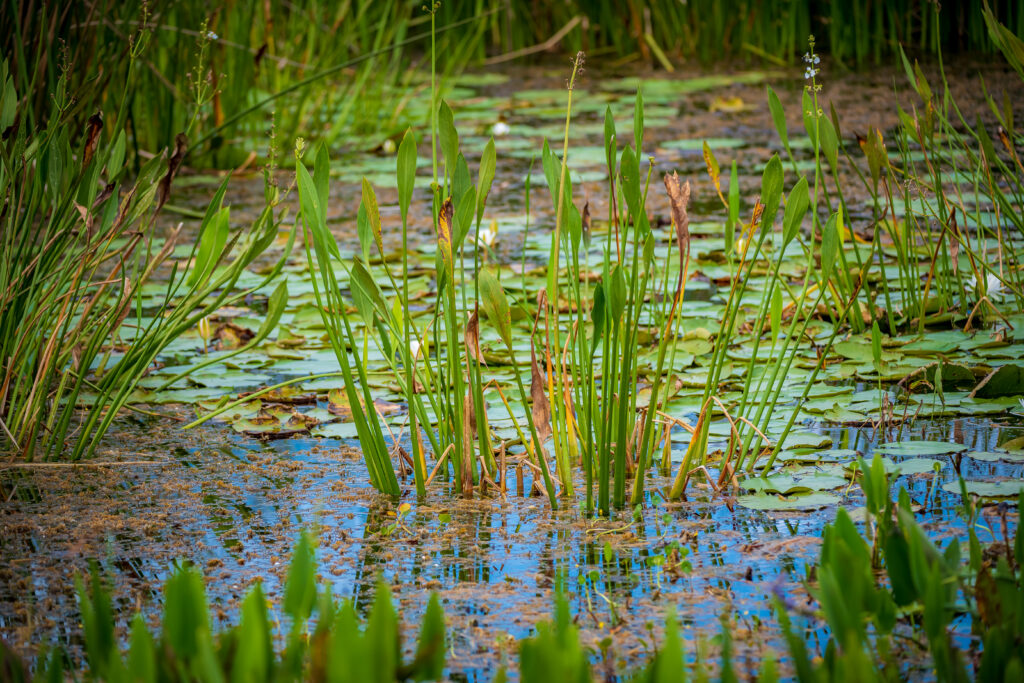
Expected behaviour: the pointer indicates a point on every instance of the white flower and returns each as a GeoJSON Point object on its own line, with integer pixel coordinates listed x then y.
{"type": "Point", "coordinates": [500, 128]}
{"type": "Point", "coordinates": [210, 35]}
{"type": "Point", "coordinates": [993, 285]}
{"type": "Point", "coordinates": [488, 235]}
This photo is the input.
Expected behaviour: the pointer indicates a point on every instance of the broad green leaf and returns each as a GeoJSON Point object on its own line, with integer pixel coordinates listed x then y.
{"type": "Point", "coordinates": [300, 585]}
{"type": "Point", "coordinates": [488, 164]}
{"type": "Point", "coordinates": [829, 142]}
{"type": "Point", "coordinates": [430, 650]}
{"type": "Point", "coordinates": [406, 172]}
{"type": "Point", "coordinates": [382, 646]}
{"type": "Point", "coordinates": [876, 346]}
{"type": "Point", "coordinates": [810, 114]}
{"type": "Point", "coordinates": [322, 175]}
{"type": "Point", "coordinates": [186, 619]}
{"type": "Point", "coordinates": [211, 247]}
{"type": "Point", "coordinates": [463, 219]}
{"type": "Point", "coordinates": [449, 137]}
{"type": "Point", "coordinates": [829, 248]}
{"type": "Point", "coordinates": [778, 118]}
{"type": "Point", "coordinates": [616, 291]}
{"type": "Point", "coordinates": [142, 653]}
{"type": "Point", "coordinates": [631, 184]}
{"type": "Point", "coordinates": [254, 660]}
{"type": "Point", "coordinates": [364, 232]}
{"type": "Point", "coordinates": [373, 214]}
{"type": "Point", "coordinates": [609, 141]}
{"type": "Point", "coordinates": [796, 208]}
{"type": "Point", "coordinates": [771, 191]}
{"type": "Point", "coordinates": [363, 284]}
{"type": "Point", "coordinates": [495, 305]}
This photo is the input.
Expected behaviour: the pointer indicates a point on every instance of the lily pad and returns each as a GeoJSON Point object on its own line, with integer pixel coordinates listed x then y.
{"type": "Point", "coordinates": [336, 430]}
{"type": "Point", "coordinates": [809, 501]}
{"type": "Point", "coordinates": [996, 456]}
{"type": "Point", "coordinates": [1007, 380]}
{"type": "Point", "coordinates": [805, 439]}
{"type": "Point", "coordinates": [786, 484]}
{"type": "Point", "coordinates": [909, 448]}
{"type": "Point", "coordinates": [987, 489]}
{"type": "Point", "coordinates": [919, 465]}
{"type": "Point", "coordinates": [812, 455]}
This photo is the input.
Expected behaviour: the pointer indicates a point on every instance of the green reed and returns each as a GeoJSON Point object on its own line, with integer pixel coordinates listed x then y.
{"type": "Point", "coordinates": [585, 336]}
{"type": "Point", "coordinates": [204, 69]}
{"type": "Point", "coordinates": [78, 245]}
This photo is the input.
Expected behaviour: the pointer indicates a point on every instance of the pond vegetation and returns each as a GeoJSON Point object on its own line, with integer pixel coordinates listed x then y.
{"type": "Point", "coordinates": [493, 295]}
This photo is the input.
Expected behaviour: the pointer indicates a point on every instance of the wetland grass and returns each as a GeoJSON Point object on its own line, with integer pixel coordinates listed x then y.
{"type": "Point", "coordinates": [796, 287]}
{"type": "Point", "coordinates": [821, 297]}
{"type": "Point", "coordinates": [78, 249]}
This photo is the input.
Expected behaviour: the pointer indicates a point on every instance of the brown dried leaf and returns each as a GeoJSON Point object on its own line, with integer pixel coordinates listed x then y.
{"type": "Point", "coordinates": [232, 336]}
{"type": "Point", "coordinates": [954, 242]}
{"type": "Point", "coordinates": [173, 164]}
{"type": "Point", "coordinates": [679, 199]}
{"type": "Point", "coordinates": [444, 233]}
{"type": "Point", "coordinates": [104, 195]}
{"type": "Point", "coordinates": [541, 409]}
{"type": "Point", "coordinates": [472, 338]}
{"type": "Point", "coordinates": [1005, 139]}
{"type": "Point", "coordinates": [586, 222]}
{"type": "Point", "coordinates": [713, 172]}
{"type": "Point", "coordinates": [93, 134]}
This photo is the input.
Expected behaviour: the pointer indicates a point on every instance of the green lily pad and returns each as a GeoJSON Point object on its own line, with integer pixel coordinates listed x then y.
{"type": "Point", "coordinates": [996, 456]}
{"type": "Point", "coordinates": [336, 430]}
{"type": "Point", "coordinates": [1007, 380]}
{"type": "Point", "coordinates": [805, 439]}
{"type": "Point", "coordinates": [919, 465]}
{"type": "Point", "coordinates": [808, 501]}
{"type": "Point", "coordinates": [909, 448]}
{"type": "Point", "coordinates": [987, 489]}
{"type": "Point", "coordinates": [785, 484]}
{"type": "Point", "coordinates": [813, 455]}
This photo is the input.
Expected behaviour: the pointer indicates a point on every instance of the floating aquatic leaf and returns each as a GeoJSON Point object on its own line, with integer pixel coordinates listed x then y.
{"type": "Point", "coordinates": [803, 439]}
{"type": "Point", "coordinates": [1007, 380]}
{"type": "Point", "coordinates": [768, 502]}
{"type": "Point", "coordinates": [996, 456]}
{"type": "Point", "coordinates": [814, 455]}
{"type": "Point", "coordinates": [987, 489]}
{"type": "Point", "coordinates": [336, 430]}
{"type": "Point", "coordinates": [920, 448]}
{"type": "Point", "coordinates": [919, 465]}
{"type": "Point", "coordinates": [786, 484]}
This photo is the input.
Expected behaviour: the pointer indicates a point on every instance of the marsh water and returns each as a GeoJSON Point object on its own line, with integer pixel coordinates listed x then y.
{"type": "Point", "coordinates": [233, 503]}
